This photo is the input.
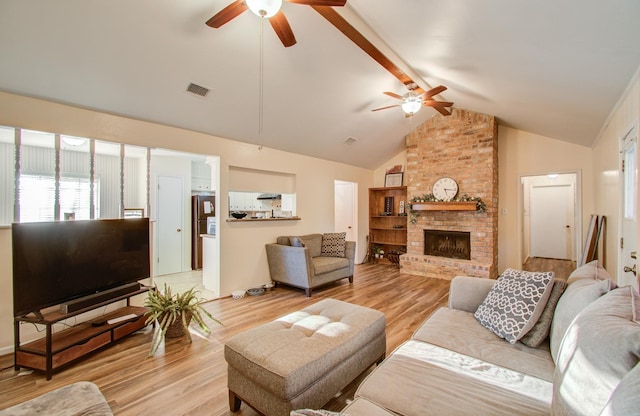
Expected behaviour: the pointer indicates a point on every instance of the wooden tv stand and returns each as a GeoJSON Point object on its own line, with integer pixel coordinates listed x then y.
{"type": "Point", "coordinates": [65, 347]}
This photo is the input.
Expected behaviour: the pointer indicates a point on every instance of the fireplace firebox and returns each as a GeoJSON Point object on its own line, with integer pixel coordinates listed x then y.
{"type": "Point", "coordinates": [451, 244]}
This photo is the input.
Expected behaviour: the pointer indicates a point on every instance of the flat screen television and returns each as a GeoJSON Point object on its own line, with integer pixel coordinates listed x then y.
{"type": "Point", "coordinates": [55, 262]}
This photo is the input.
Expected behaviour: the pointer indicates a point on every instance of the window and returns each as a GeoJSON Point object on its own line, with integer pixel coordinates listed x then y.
{"type": "Point", "coordinates": [37, 198]}
{"type": "Point", "coordinates": [630, 180]}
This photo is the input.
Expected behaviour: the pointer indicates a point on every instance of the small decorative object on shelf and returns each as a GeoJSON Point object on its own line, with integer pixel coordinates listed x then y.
{"type": "Point", "coordinates": [388, 205]}
{"type": "Point", "coordinates": [394, 176]}
{"type": "Point", "coordinates": [401, 208]}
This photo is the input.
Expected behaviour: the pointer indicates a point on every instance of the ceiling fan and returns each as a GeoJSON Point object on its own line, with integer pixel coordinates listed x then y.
{"type": "Point", "coordinates": [412, 101]}
{"type": "Point", "coordinates": [268, 9]}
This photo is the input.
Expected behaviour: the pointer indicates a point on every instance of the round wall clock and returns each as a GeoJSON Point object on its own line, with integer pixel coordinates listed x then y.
{"type": "Point", "coordinates": [445, 189]}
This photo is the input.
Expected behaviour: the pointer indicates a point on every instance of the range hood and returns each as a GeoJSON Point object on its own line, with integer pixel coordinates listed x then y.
{"type": "Point", "coordinates": [269, 196]}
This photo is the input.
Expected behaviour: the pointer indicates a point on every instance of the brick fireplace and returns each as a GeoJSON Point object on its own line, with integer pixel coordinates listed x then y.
{"type": "Point", "coordinates": [463, 146]}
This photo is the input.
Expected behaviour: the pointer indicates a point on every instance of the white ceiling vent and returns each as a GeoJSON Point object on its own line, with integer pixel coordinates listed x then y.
{"type": "Point", "coordinates": [350, 140]}
{"type": "Point", "coordinates": [198, 90]}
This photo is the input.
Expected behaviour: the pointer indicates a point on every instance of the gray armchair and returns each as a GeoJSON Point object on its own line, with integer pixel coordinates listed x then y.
{"type": "Point", "coordinates": [305, 267]}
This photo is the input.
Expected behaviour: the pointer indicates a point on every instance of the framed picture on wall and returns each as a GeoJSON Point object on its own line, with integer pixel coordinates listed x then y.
{"type": "Point", "coordinates": [393, 179]}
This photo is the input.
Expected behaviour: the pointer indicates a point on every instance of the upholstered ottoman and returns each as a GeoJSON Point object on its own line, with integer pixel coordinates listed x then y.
{"type": "Point", "coordinates": [303, 359]}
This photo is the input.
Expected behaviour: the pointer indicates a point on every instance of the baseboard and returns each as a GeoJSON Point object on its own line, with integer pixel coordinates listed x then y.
{"type": "Point", "coordinates": [6, 350]}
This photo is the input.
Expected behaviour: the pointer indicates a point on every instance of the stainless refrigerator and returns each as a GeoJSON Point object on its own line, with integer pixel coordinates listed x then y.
{"type": "Point", "coordinates": [202, 209]}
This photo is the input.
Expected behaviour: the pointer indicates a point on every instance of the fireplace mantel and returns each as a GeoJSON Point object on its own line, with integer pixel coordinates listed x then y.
{"type": "Point", "coordinates": [445, 206]}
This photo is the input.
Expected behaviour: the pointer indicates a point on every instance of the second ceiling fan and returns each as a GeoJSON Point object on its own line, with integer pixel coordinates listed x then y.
{"type": "Point", "coordinates": [412, 101]}
{"type": "Point", "coordinates": [268, 9]}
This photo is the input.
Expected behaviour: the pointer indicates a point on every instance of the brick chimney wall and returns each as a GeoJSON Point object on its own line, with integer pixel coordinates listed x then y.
{"type": "Point", "coordinates": [463, 146]}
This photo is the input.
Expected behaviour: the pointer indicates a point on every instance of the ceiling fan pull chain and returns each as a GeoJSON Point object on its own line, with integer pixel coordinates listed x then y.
{"type": "Point", "coordinates": [261, 92]}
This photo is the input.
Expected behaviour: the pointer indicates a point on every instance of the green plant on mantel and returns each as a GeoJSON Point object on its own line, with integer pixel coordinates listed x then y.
{"type": "Point", "coordinates": [480, 205]}
{"type": "Point", "coordinates": [167, 308]}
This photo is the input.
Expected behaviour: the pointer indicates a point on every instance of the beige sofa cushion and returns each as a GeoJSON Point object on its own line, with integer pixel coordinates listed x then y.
{"type": "Point", "coordinates": [328, 264]}
{"type": "Point", "coordinates": [624, 400]}
{"type": "Point", "coordinates": [590, 366]}
{"type": "Point", "coordinates": [82, 398]}
{"type": "Point", "coordinates": [421, 379]}
{"type": "Point", "coordinates": [591, 270]}
{"type": "Point", "coordinates": [459, 331]}
{"type": "Point", "coordinates": [575, 298]}
{"type": "Point", "coordinates": [314, 243]}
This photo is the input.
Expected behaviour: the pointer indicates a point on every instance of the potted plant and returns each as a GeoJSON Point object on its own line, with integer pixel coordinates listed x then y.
{"type": "Point", "coordinates": [173, 313]}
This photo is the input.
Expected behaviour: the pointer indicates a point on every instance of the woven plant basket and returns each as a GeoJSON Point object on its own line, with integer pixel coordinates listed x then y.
{"type": "Point", "coordinates": [176, 329]}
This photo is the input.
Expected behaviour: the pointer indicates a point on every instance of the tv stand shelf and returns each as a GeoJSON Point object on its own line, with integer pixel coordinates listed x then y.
{"type": "Point", "coordinates": [62, 348]}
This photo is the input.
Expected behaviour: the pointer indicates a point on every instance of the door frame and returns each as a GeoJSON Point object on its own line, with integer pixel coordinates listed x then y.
{"type": "Point", "coordinates": [182, 221]}
{"type": "Point", "coordinates": [353, 187]}
{"type": "Point", "coordinates": [621, 143]}
{"type": "Point", "coordinates": [577, 243]}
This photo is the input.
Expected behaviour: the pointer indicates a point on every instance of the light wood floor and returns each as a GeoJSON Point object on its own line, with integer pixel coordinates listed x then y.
{"type": "Point", "coordinates": [561, 268]}
{"type": "Point", "coordinates": [190, 379]}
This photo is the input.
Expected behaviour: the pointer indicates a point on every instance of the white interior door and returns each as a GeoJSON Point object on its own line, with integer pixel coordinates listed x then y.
{"type": "Point", "coordinates": [170, 225]}
{"type": "Point", "coordinates": [629, 198]}
{"type": "Point", "coordinates": [551, 219]}
{"type": "Point", "coordinates": [345, 208]}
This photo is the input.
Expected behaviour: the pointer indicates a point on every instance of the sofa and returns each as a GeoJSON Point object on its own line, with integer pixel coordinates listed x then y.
{"type": "Point", "coordinates": [455, 365]}
{"type": "Point", "coordinates": [312, 260]}
{"type": "Point", "coordinates": [82, 398]}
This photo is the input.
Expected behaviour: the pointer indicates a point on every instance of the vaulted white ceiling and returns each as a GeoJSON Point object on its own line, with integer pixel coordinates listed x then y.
{"type": "Point", "coordinates": [554, 68]}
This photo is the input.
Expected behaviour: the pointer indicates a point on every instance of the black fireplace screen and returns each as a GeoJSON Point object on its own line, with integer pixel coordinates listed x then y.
{"type": "Point", "coordinates": [451, 244]}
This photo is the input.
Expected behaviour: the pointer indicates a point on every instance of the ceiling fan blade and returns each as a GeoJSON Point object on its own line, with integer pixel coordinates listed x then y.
{"type": "Point", "coordinates": [228, 13]}
{"type": "Point", "coordinates": [434, 91]}
{"type": "Point", "coordinates": [433, 103]}
{"type": "Point", "coordinates": [443, 111]}
{"type": "Point", "coordinates": [363, 43]}
{"type": "Point", "coordinates": [393, 94]}
{"type": "Point", "coordinates": [384, 108]}
{"type": "Point", "coordinates": [281, 26]}
{"type": "Point", "coordinates": [331, 3]}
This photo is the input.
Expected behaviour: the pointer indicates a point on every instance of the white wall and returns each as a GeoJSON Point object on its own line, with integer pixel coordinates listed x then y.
{"type": "Point", "coordinates": [380, 172]}
{"type": "Point", "coordinates": [606, 169]}
{"type": "Point", "coordinates": [521, 153]}
{"type": "Point", "coordinates": [243, 261]}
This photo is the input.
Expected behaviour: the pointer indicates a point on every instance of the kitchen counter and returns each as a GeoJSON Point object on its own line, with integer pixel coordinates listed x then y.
{"type": "Point", "coordinates": [245, 219]}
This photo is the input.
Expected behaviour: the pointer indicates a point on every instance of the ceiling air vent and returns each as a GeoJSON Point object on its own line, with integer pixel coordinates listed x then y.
{"type": "Point", "coordinates": [350, 140]}
{"type": "Point", "coordinates": [198, 90]}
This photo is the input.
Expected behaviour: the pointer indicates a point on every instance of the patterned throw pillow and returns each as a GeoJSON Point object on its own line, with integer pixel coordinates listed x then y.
{"type": "Point", "coordinates": [515, 303]}
{"type": "Point", "coordinates": [333, 244]}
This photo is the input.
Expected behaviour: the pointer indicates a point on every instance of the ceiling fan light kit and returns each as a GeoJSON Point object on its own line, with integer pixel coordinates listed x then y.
{"type": "Point", "coordinates": [264, 8]}
{"type": "Point", "coordinates": [411, 103]}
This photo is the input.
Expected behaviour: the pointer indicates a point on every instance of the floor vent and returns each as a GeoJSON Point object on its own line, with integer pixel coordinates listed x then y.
{"type": "Point", "coordinates": [198, 90]}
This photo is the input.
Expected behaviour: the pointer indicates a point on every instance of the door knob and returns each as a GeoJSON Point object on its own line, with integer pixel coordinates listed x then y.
{"type": "Point", "coordinates": [628, 269]}
{"type": "Point", "coordinates": [179, 229]}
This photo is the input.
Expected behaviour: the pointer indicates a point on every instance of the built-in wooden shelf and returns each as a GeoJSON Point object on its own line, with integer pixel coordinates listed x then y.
{"type": "Point", "coordinates": [445, 206]}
